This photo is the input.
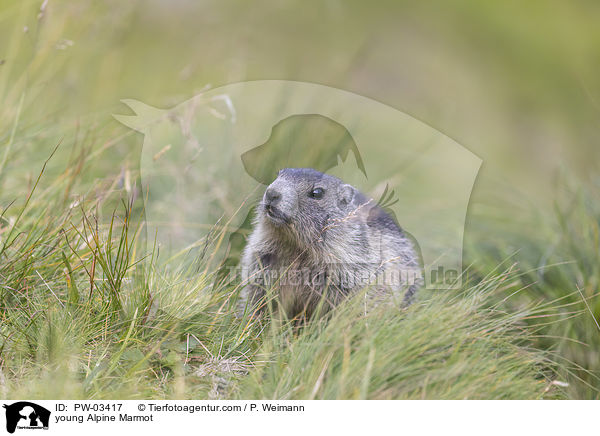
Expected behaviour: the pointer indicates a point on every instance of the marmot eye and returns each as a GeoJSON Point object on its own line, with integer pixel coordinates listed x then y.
{"type": "Point", "coordinates": [317, 193]}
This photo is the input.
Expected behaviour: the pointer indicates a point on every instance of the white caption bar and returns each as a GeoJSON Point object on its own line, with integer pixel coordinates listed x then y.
{"type": "Point", "coordinates": [22, 417]}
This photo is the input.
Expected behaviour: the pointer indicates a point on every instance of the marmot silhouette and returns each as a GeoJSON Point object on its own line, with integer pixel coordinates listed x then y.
{"type": "Point", "coordinates": [317, 239]}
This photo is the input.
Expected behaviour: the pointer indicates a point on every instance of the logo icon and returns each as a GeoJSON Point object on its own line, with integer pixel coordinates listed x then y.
{"type": "Point", "coordinates": [206, 161]}
{"type": "Point", "coordinates": [26, 415]}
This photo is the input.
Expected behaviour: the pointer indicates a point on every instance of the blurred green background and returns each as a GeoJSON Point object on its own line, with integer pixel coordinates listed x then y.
{"type": "Point", "coordinates": [517, 83]}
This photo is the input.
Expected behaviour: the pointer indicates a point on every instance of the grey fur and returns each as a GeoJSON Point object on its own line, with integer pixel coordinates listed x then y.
{"type": "Point", "coordinates": [303, 247]}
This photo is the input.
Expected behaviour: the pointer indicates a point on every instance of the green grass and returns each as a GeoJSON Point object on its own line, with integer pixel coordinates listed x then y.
{"type": "Point", "coordinates": [85, 308]}
{"type": "Point", "coordinates": [89, 309]}
{"type": "Point", "coordinates": [559, 256]}
{"type": "Point", "coordinates": [444, 347]}
{"type": "Point", "coordinates": [133, 331]}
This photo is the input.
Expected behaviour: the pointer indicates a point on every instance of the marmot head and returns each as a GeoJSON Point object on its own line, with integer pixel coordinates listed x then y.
{"type": "Point", "coordinates": [306, 204]}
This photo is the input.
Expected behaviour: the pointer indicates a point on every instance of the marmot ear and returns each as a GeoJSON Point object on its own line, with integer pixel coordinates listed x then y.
{"type": "Point", "coordinates": [345, 196]}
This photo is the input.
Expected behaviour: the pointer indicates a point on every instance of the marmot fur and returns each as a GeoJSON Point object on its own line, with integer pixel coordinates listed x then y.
{"type": "Point", "coordinates": [316, 239]}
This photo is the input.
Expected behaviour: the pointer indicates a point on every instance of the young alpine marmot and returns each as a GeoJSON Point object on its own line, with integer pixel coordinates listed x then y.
{"type": "Point", "coordinates": [317, 239]}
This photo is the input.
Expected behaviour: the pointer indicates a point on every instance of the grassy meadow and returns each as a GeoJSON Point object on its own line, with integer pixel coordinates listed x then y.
{"type": "Point", "coordinates": [87, 311]}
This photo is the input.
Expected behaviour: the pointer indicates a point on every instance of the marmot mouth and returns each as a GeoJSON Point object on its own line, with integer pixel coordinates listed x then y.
{"type": "Point", "coordinates": [275, 215]}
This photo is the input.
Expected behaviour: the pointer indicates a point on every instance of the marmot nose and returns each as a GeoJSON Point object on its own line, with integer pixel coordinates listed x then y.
{"type": "Point", "coordinates": [272, 197]}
